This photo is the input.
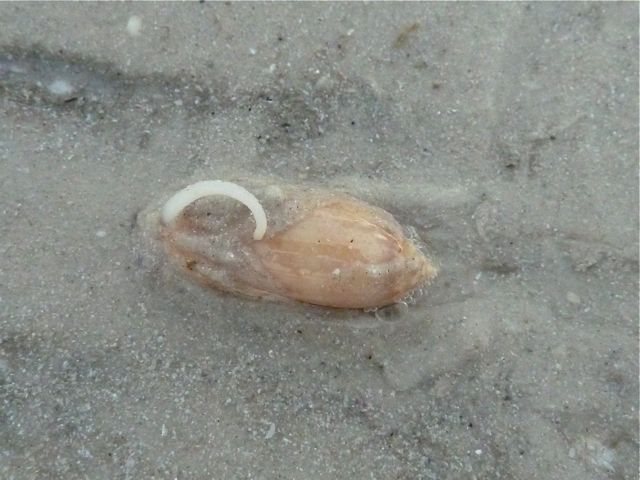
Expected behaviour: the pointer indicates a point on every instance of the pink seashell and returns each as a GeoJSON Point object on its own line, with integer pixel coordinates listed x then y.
{"type": "Point", "coordinates": [320, 247]}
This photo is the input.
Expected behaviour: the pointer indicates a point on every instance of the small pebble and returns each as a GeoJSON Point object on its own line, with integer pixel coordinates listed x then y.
{"type": "Point", "coordinates": [271, 432]}
{"type": "Point", "coordinates": [134, 25]}
{"type": "Point", "coordinates": [101, 234]}
{"type": "Point", "coordinates": [573, 298]}
{"type": "Point", "coordinates": [60, 87]}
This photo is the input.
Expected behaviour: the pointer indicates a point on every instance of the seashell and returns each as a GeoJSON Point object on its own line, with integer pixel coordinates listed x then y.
{"type": "Point", "coordinates": [320, 247]}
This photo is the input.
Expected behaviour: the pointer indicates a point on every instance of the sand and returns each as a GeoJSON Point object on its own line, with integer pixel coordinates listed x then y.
{"type": "Point", "coordinates": [505, 136]}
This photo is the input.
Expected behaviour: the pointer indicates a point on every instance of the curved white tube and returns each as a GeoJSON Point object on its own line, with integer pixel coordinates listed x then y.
{"type": "Point", "coordinates": [181, 199]}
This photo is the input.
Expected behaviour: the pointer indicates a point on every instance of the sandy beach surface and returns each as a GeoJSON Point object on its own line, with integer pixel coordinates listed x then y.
{"type": "Point", "coordinates": [504, 136]}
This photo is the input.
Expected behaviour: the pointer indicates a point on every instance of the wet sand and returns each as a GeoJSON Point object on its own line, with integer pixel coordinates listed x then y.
{"type": "Point", "coordinates": [504, 136]}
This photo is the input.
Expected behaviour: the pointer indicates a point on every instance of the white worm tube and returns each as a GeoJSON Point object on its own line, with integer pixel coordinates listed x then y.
{"type": "Point", "coordinates": [180, 200]}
